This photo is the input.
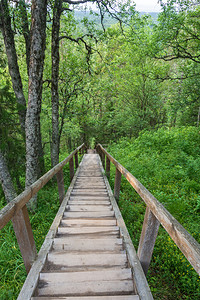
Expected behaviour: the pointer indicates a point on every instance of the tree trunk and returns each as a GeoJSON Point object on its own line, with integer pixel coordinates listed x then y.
{"type": "Point", "coordinates": [54, 82]}
{"type": "Point", "coordinates": [25, 30]}
{"type": "Point", "coordinates": [37, 54]}
{"type": "Point", "coordinates": [6, 180]}
{"type": "Point", "coordinates": [5, 24]}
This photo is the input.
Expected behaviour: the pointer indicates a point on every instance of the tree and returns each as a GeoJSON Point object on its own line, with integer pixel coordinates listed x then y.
{"type": "Point", "coordinates": [37, 55]}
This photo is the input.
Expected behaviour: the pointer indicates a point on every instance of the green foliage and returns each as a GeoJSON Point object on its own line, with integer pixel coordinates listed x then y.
{"type": "Point", "coordinates": [167, 162]}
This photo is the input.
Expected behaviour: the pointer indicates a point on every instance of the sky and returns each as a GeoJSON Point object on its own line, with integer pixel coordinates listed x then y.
{"type": "Point", "coordinates": [147, 5]}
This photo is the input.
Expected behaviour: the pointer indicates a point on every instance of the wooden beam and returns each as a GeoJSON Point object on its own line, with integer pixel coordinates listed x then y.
{"type": "Point", "coordinates": [76, 160]}
{"type": "Point", "coordinates": [107, 167]}
{"type": "Point", "coordinates": [118, 176]}
{"type": "Point", "coordinates": [147, 239]}
{"type": "Point", "coordinates": [103, 159]}
{"type": "Point", "coordinates": [24, 235]}
{"type": "Point", "coordinates": [61, 186]}
{"type": "Point", "coordinates": [186, 243]}
{"type": "Point", "coordinates": [71, 168]}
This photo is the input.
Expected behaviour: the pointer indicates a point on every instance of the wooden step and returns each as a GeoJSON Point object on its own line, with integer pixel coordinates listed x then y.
{"type": "Point", "coordinates": [88, 222]}
{"type": "Point", "coordinates": [89, 215]}
{"type": "Point", "coordinates": [115, 297]}
{"type": "Point", "coordinates": [111, 230]}
{"type": "Point", "coordinates": [102, 275]}
{"type": "Point", "coordinates": [89, 202]}
{"type": "Point", "coordinates": [93, 198]}
{"type": "Point", "coordinates": [86, 288]}
{"type": "Point", "coordinates": [91, 208]}
{"type": "Point", "coordinates": [65, 260]}
{"type": "Point", "coordinates": [90, 190]}
{"type": "Point", "coordinates": [86, 245]}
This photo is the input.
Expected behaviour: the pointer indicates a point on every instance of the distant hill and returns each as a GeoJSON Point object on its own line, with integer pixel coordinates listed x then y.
{"type": "Point", "coordinates": [108, 21]}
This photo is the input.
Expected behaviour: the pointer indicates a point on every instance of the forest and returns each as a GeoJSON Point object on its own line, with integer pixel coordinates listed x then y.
{"type": "Point", "coordinates": [73, 73]}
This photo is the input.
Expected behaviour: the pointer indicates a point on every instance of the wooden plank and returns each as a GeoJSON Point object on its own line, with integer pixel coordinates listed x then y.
{"type": "Point", "coordinates": [91, 208]}
{"type": "Point", "coordinates": [118, 176]}
{"type": "Point", "coordinates": [186, 243]}
{"type": "Point", "coordinates": [110, 230]}
{"type": "Point", "coordinates": [95, 222]}
{"type": "Point", "coordinates": [71, 168]}
{"type": "Point", "coordinates": [107, 167]}
{"type": "Point", "coordinates": [147, 239]}
{"type": "Point", "coordinates": [89, 215]}
{"type": "Point", "coordinates": [87, 288]}
{"type": "Point", "coordinates": [89, 202]}
{"type": "Point", "coordinates": [61, 187]}
{"type": "Point", "coordinates": [65, 259]}
{"type": "Point", "coordinates": [70, 244]}
{"type": "Point", "coordinates": [101, 275]}
{"type": "Point", "coordinates": [90, 190]}
{"type": "Point", "coordinates": [76, 160]}
{"type": "Point", "coordinates": [89, 198]}
{"type": "Point", "coordinates": [24, 235]}
{"type": "Point", "coordinates": [105, 297]}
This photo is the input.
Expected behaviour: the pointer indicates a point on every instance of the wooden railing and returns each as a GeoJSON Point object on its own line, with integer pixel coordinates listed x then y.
{"type": "Point", "coordinates": [155, 215]}
{"type": "Point", "coordinates": [16, 210]}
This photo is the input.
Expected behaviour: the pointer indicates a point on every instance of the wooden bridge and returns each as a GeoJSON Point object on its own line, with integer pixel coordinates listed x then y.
{"type": "Point", "coordinates": [88, 253]}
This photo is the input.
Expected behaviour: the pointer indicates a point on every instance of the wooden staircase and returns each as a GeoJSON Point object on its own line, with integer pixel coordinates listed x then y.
{"type": "Point", "coordinates": [87, 258]}
{"type": "Point", "coordinates": [88, 253]}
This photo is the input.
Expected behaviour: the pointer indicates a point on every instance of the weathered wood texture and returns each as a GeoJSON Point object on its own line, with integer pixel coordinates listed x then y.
{"type": "Point", "coordinates": [147, 239]}
{"type": "Point", "coordinates": [61, 187]}
{"type": "Point", "coordinates": [186, 243]}
{"type": "Point", "coordinates": [8, 212]}
{"type": "Point", "coordinates": [107, 167]}
{"type": "Point", "coordinates": [85, 257]}
{"type": "Point", "coordinates": [24, 235]}
{"type": "Point", "coordinates": [118, 176]}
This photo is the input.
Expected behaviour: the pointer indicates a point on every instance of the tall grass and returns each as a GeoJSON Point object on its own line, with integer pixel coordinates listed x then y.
{"type": "Point", "coordinates": [167, 162]}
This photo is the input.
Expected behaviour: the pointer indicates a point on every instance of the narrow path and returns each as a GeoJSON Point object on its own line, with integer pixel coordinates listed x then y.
{"type": "Point", "coordinates": [88, 259]}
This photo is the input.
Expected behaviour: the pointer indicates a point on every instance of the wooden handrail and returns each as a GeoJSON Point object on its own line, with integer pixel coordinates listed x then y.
{"type": "Point", "coordinates": [16, 210]}
{"type": "Point", "coordinates": [7, 213]}
{"type": "Point", "coordinates": [186, 243]}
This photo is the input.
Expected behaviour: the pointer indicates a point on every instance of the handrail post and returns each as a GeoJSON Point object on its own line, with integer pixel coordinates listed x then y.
{"type": "Point", "coordinates": [61, 187]}
{"type": "Point", "coordinates": [147, 239]}
{"type": "Point", "coordinates": [71, 168]}
{"type": "Point", "coordinates": [118, 176]}
{"type": "Point", "coordinates": [76, 159]}
{"type": "Point", "coordinates": [24, 235]}
{"type": "Point", "coordinates": [107, 167]}
{"type": "Point", "coordinates": [103, 159]}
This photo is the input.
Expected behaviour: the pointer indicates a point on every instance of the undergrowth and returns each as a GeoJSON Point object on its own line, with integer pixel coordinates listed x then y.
{"type": "Point", "coordinates": [167, 162]}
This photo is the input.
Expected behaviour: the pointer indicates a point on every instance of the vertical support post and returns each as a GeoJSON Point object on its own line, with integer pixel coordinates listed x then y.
{"type": "Point", "coordinates": [61, 187]}
{"type": "Point", "coordinates": [147, 239]}
{"type": "Point", "coordinates": [107, 167]}
{"type": "Point", "coordinates": [76, 159]}
{"type": "Point", "coordinates": [71, 168]}
{"type": "Point", "coordinates": [118, 177]}
{"type": "Point", "coordinates": [24, 235]}
{"type": "Point", "coordinates": [103, 159]}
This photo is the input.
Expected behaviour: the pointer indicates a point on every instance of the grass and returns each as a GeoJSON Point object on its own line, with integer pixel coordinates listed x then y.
{"type": "Point", "coordinates": [167, 162]}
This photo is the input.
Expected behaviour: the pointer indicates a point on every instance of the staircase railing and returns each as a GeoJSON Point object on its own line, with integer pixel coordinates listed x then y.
{"type": "Point", "coordinates": [155, 215]}
{"type": "Point", "coordinates": [16, 210]}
